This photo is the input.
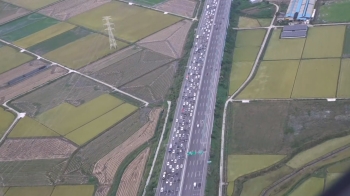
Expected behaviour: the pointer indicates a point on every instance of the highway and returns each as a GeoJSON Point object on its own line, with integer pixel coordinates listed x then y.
{"type": "Point", "coordinates": [189, 141]}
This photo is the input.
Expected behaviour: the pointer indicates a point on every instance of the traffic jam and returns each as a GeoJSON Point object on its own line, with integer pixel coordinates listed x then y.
{"type": "Point", "coordinates": [177, 151]}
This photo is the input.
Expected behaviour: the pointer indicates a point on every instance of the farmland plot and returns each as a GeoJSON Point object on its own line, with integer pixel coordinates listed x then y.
{"type": "Point", "coordinates": [73, 89]}
{"type": "Point", "coordinates": [89, 154]}
{"type": "Point", "coordinates": [169, 41]}
{"type": "Point", "coordinates": [7, 119]}
{"type": "Point", "coordinates": [27, 173]}
{"type": "Point", "coordinates": [9, 92]}
{"type": "Point", "coordinates": [153, 86]}
{"type": "Point", "coordinates": [40, 148]}
{"type": "Point", "coordinates": [30, 191]}
{"type": "Point", "coordinates": [132, 176]}
{"type": "Point", "coordinates": [312, 186]}
{"type": "Point", "coordinates": [66, 9]}
{"type": "Point", "coordinates": [274, 127]}
{"type": "Point", "coordinates": [68, 190]}
{"type": "Point", "coordinates": [239, 73]}
{"type": "Point", "coordinates": [346, 47]}
{"type": "Point", "coordinates": [250, 38]}
{"type": "Point", "coordinates": [132, 23]}
{"type": "Point", "coordinates": [20, 23]}
{"type": "Point", "coordinates": [11, 58]}
{"type": "Point", "coordinates": [32, 4]}
{"type": "Point", "coordinates": [106, 167]}
{"type": "Point", "coordinates": [28, 127]}
{"type": "Point", "coordinates": [180, 7]}
{"type": "Point", "coordinates": [3, 190]}
{"type": "Point", "coordinates": [9, 12]}
{"type": "Point", "coordinates": [83, 51]}
{"type": "Point", "coordinates": [334, 11]}
{"type": "Point", "coordinates": [343, 90]}
{"type": "Point", "coordinates": [132, 67]}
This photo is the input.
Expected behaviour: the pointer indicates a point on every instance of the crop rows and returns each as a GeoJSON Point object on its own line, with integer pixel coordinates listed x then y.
{"type": "Point", "coordinates": [67, 9]}
{"type": "Point", "coordinates": [70, 87]}
{"type": "Point", "coordinates": [88, 155]}
{"type": "Point", "coordinates": [29, 149]}
{"type": "Point", "coordinates": [132, 175]}
{"type": "Point", "coordinates": [181, 7]}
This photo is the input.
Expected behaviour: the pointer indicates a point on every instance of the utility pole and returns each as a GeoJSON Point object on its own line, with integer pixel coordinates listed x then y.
{"type": "Point", "coordinates": [109, 25]}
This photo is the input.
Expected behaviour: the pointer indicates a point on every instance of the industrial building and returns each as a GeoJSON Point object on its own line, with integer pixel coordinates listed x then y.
{"type": "Point", "coordinates": [294, 31]}
{"type": "Point", "coordinates": [301, 10]}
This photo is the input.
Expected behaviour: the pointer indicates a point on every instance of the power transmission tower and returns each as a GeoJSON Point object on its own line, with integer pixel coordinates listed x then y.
{"type": "Point", "coordinates": [109, 25]}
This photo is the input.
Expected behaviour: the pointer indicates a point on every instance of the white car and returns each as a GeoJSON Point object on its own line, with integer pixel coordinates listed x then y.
{"type": "Point", "coordinates": [171, 183]}
{"type": "Point", "coordinates": [167, 163]}
{"type": "Point", "coordinates": [197, 125]}
{"type": "Point", "coordinates": [181, 166]}
{"type": "Point", "coordinates": [161, 190]}
{"type": "Point", "coordinates": [170, 166]}
{"type": "Point", "coordinates": [173, 170]}
{"type": "Point", "coordinates": [177, 166]}
{"type": "Point", "coordinates": [175, 161]}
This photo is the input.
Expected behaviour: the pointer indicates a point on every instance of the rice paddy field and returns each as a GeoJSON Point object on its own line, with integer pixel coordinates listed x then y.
{"type": "Point", "coordinates": [320, 75]}
{"type": "Point", "coordinates": [283, 49]}
{"type": "Point", "coordinates": [31, 5]}
{"type": "Point", "coordinates": [346, 48]}
{"type": "Point", "coordinates": [334, 11]}
{"type": "Point", "coordinates": [140, 22]}
{"type": "Point", "coordinates": [324, 42]}
{"type": "Point", "coordinates": [67, 190]}
{"type": "Point", "coordinates": [28, 127]}
{"type": "Point", "coordinates": [246, 22]}
{"type": "Point", "coordinates": [246, 38]}
{"type": "Point", "coordinates": [83, 190]}
{"type": "Point", "coordinates": [343, 91]}
{"type": "Point", "coordinates": [9, 12]}
{"type": "Point", "coordinates": [11, 58]}
{"type": "Point", "coordinates": [7, 119]}
{"type": "Point", "coordinates": [245, 54]}
{"type": "Point", "coordinates": [239, 73]}
{"type": "Point", "coordinates": [274, 79]}
{"type": "Point", "coordinates": [312, 186]}
{"type": "Point", "coordinates": [30, 191]}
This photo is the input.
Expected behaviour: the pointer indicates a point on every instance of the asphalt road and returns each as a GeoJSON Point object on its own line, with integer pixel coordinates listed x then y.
{"type": "Point", "coordinates": [194, 114]}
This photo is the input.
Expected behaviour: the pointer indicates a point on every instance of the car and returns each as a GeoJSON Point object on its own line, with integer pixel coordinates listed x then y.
{"type": "Point", "coordinates": [194, 185]}
{"type": "Point", "coordinates": [190, 114]}
{"type": "Point", "coordinates": [170, 166]}
{"type": "Point", "coordinates": [197, 125]}
{"type": "Point", "coordinates": [167, 181]}
{"type": "Point", "coordinates": [167, 163]}
{"type": "Point", "coordinates": [161, 190]}
{"type": "Point", "coordinates": [177, 166]}
{"type": "Point", "coordinates": [175, 161]}
{"type": "Point", "coordinates": [199, 184]}
{"type": "Point", "coordinates": [181, 166]}
{"type": "Point", "coordinates": [173, 170]}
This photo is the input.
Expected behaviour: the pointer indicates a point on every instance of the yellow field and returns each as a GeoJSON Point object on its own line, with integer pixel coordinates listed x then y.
{"type": "Point", "coordinates": [246, 38]}
{"type": "Point", "coordinates": [132, 23]}
{"type": "Point", "coordinates": [97, 126]}
{"type": "Point", "coordinates": [7, 119]}
{"type": "Point", "coordinates": [244, 54]}
{"type": "Point", "coordinates": [311, 187]}
{"type": "Point", "coordinates": [245, 22]}
{"type": "Point", "coordinates": [332, 178]}
{"type": "Point", "coordinates": [317, 78]}
{"type": "Point", "coordinates": [239, 73]}
{"type": "Point", "coordinates": [83, 51]}
{"type": "Point", "coordinates": [66, 117]}
{"type": "Point", "coordinates": [264, 22]}
{"type": "Point", "coordinates": [30, 191]}
{"type": "Point", "coordinates": [11, 58]}
{"type": "Point", "coordinates": [239, 165]}
{"type": "Point", "coordinates": [313, 153]}
{"type": "Point", "coordinates": [230, 188]}
{"type": "Point", "coordinates": [44, 34]}
{"type": "Point", "coordinates": [278, 49]}
{"type": "Point", "coordinates": [326, 41]}
{"type": "Point", "coordinates": [28, 127]}
{"type": "Point", "coordinates": [344, 79]}
{"type": "Point", "coordinates": [274, 79]}
{"type": "Point", "coordinates": [70, 190]}
{"type": "Point", "coordinates": [32, 4]}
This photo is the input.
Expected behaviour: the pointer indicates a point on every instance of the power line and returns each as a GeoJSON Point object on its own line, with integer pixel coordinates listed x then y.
{"type": "Point", "coordinates": [109, 25]}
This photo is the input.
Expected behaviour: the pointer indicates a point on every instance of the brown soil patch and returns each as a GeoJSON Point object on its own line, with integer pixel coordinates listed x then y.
{"type": "Point", "coordinates": [132, 175]}
{"type": "Point", "coordinates": [69, 8]}
{"type": "Point", "coordinates": [180, 7]}
{"type": "Point", "coordinates": [106, 167]}
{"type": "Point", "coordinates": [9, 12]}
{"type": "Point", "coordinates": [169, 41]}
{"type": "Point", "coordinates": [27, 85]}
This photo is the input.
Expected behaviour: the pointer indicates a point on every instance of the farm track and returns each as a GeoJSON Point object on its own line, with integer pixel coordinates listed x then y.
{"type": "Point", "coordinates": [106, 167]}
{"type": "Point", "coordinates": [132, 176]}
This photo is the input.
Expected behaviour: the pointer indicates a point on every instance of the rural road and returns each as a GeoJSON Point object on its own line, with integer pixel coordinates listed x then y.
{"type": "Point", "coordinates": [18, 117]}
{"type": "Point", "coordinates": [246, 82]}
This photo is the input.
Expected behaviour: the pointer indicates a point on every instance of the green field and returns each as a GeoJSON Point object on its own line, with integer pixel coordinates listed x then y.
{"type": "Point", "coordinates": [254, 186]}
{"type": "Point", "coordinates": [346, 48]}
{"type": "Point", "coordinates": [334, 11]}
{"type": "Point", "coordinates": [251, 38]}
{"type": "Point", "coordinates": [132, 23]}
{"type": "Point", "coordinates": [66, 117]}
{"type": "Point", "coordinates": [274, 79]}
{"type": "Point", "coordinates": [326, 41]}
{"type": "Point", "coordinates": [32, 4]}
{"type": "Point", "coordinates": [44, 35]}
{"type": "Point", "coordinates": [28, 127]}
{"type": "Point", "coordinates": [311, 187]}
{"type": "Point", "coordinates": [264, 22]}
{"type": "Point", "coordinates": [59, 41]}
{"type": "Point", "coordinates": [344, 79]}
{"type": "Point", "coordinates": [238, 165]}
{"type": "Point", "coordinates": [11, 58]}
{"type": "Point", "coordinates": [317, 78]}
{"type": "Point", "coordinates": [243, 54]}
{"type": "Point", "coordinates": [83, 51]}
{"type": "Point", "coordinates": [20, 23]}
{"type": "Point", "coordinates": [148, 2]}
{"type": "Point", "coordinates": [245, 22]}
{"type": "Point", "coordinates": [239, 73]}
{"type": "Point", "coordinates": [341, 167]}
{"type": "Point", "coordinates": [331, 179]}
{"type": "Point", "coordinates": [317, 151]}
{"type": "Point", "coordinates": [29, 29]}
{"type": "Point", "coordinates": [7, 119]}
{"type": "Point", "coordinates": [97, 126]}
{"type": "Point", "coordinates": [69, 190]}
{"type": "Point", "coordinates": [30, 191]}
{"type": "Point", "coordinates": [278, 49]}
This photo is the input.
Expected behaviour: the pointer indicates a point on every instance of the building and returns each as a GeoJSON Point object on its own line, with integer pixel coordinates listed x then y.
{"type": "Point", "coordinates": [294, 31]}
{"type": "Point", "coordinates": [300, 10]}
